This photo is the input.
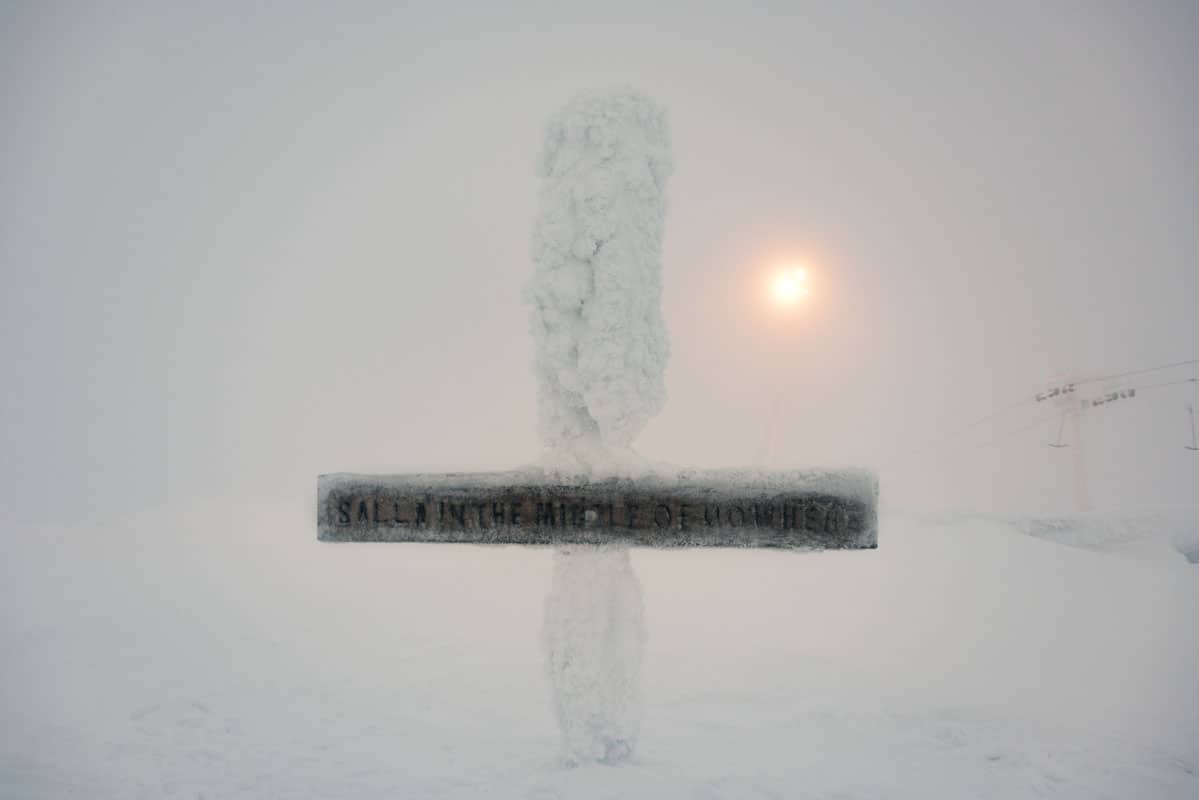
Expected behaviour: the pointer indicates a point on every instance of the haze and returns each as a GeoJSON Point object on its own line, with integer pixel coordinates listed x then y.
{"type": "Point", "coordinates": [246, 245]}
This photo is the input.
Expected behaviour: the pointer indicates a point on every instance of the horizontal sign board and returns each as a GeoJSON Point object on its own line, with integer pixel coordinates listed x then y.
{"type": "Point", "coordinates": [691, 509]}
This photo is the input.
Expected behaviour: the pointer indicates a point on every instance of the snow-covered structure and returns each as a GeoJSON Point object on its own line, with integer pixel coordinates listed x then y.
{"type": "Point", "coordinates": [595, 293]}
{"type": "Point", "coordinates": [601, 352]}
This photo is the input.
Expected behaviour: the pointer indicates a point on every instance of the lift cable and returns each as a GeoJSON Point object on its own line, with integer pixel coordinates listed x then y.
{"type": "Point", "coordinates": [1168, 383]}
{"type": "Point", "coordinates": [996, 414]}
{"type": "Point", "coordinates": [1159, 368]}
{"type": "Point", "coordinates": [1003, 437]}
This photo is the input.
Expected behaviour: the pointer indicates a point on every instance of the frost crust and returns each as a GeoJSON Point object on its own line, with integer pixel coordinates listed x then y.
{"type": "Point", "coordinates": [595, 293]}
{"type": "Point", "coordinates": [594, 638]}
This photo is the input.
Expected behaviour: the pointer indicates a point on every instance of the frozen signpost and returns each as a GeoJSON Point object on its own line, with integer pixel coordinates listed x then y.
{"type": "Point", "coordinates": [601, 356]}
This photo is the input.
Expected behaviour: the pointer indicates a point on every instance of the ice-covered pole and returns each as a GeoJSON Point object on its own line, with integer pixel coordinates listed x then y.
{"type": "Point", "coordinates": [601, 351]}
{"type": "Point", "coordinates": [595, 293]}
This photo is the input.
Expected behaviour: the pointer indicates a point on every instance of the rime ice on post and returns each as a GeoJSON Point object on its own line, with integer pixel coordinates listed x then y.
{"type": "Point", "coordinates": [595, 299]}
{"type": "Point", "coordinates": [597, 279]}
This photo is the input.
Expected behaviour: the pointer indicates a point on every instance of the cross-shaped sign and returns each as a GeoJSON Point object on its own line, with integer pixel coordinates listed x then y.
{"type": "Point", "coordinates": [601, 354]}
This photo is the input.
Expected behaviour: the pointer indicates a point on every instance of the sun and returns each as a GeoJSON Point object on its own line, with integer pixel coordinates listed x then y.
{"type": "Point", "coordinates": [790, 285]}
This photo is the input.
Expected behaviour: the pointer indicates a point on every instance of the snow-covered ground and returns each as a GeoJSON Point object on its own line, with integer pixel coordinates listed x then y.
{"type": "Point", "coordinates": [202, 655]}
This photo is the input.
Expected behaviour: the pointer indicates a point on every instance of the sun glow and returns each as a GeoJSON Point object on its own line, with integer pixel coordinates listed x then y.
{"type": "Point", "coordinates": [789, 286]}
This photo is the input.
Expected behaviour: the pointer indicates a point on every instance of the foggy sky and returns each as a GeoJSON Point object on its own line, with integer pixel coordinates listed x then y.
{"type": "Point", "coordinates": [245, 245]}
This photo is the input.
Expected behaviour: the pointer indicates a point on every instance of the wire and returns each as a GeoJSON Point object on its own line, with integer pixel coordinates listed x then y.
{"type": "Point", "coordinates": [1138, 371]}
{"type": "Point", "coordinates": [1167, 383]}
{"type": "Point", "coordinates": [1001, 437]}
{"type": "Point", "coordinates": [999, 412]}
{"type": "Point", "coordinates": [1007, 434]}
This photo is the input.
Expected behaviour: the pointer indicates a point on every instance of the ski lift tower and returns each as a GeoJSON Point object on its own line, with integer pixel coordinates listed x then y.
{"type": "Point", "coordinates": [1062, 392]}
